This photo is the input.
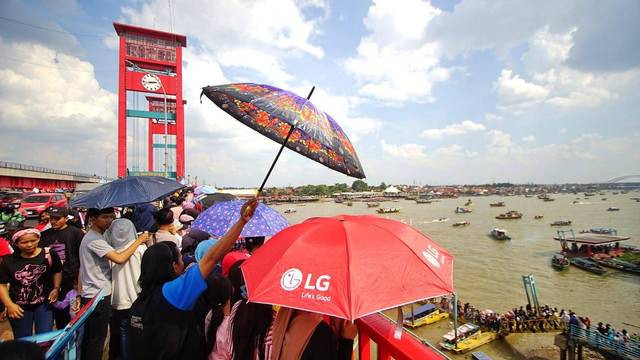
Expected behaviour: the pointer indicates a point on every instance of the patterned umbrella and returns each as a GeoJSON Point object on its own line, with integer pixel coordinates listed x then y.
{"type": "Point", "coordinates": [272, 112]}
{"type": "Point", "coordinates": [217, 219]}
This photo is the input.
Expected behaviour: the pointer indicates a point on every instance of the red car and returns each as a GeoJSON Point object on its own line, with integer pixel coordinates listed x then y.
{"type": "Point", "coordinates": [35, 204]}
{"type": "Point", "coordinates": [12, 197]}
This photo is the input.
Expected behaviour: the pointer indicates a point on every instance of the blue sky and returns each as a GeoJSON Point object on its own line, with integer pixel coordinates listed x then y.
{"type": "Point", "coordinates": [429, 92]}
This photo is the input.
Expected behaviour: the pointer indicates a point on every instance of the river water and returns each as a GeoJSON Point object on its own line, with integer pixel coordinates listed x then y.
{"type": "Point", "coordinates": [488, 273]}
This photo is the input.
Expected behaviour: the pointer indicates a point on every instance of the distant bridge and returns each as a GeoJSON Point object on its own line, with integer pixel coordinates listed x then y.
{"type": "Point", "coordinates": [15, 175]}
{"type": "Point", "coordinates": [620, 178]}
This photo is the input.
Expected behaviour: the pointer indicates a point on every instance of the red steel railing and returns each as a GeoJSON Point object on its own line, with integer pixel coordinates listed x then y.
{"type": "Point", "coordinates": [380, 330]}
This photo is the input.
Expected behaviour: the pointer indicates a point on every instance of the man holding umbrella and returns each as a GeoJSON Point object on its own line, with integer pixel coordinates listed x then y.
{"type": "Point", "coordinates": [95, 274]}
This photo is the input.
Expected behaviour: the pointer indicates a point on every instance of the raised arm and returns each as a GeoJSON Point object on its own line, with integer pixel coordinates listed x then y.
{"type": "Point", "coordinates": [123, 256]}
{"type": "Point", "coordinates": [213, 255]}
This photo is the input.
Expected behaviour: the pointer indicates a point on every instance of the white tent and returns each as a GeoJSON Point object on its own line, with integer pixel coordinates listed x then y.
{"type": "Point", "coordinates": [391, 190]}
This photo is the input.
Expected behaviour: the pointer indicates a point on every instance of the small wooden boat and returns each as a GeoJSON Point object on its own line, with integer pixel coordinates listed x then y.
{"type": "Point", "coordinates": [592, 194]}
{"type": "Point", "coordinates": [510, 215]}
{"type": "Point", "coordinates": [619, 265]}
{"type": "Point", "coordinates": [443, 219]}
{"type": "Point", "coordinates": [462, 210]}
{"type": "Point", "coordinates": [290, 211]}
{"type": "Point", "coordinates": [538, 217]}
{"type": "Point", "coordinates": [588, 265]}
{"type": "Point", "coordinates": [603, 199]}
{"type": "Point", "coordinates": [613, 209]}
{"type": "Point", "coordinates": [559, 262]}
{"type": "Point", "coordinates": [498, 204]}
{"type": "Point", "coordinates": [424, 315]}
{"type": "Point", "coordinates": [423, 201]}
{"type": "Point", "coordinates": [373, 204]}
{"type": "Point", "coordinates": [461, 224]}
{"type": "Point", "coordinates": [500, 234]}
{"type": "Point", "coordinates": [388, 210]}
{"type": "Point", "coordinates": [561, 223]}
{"type": "Point", "coordinates": [549, 199]}
{"type": "Point", "coordinates": [469, 337]}
{"type": "Point", "coordinates": [602, 231]}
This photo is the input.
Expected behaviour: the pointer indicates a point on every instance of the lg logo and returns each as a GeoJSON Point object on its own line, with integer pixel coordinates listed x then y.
{"type": "Point", "coordinates": [292, 278]}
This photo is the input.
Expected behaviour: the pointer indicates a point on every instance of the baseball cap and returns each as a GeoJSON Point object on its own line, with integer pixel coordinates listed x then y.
{"type": "Point", "coordinates": [58, 211]}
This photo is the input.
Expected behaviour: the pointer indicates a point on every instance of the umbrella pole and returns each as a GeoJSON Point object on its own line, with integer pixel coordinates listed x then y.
{"type": "Point", "coordinates": [281, 148]}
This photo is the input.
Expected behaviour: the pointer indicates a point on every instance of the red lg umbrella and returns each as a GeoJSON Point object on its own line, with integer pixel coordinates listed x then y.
{"type": "Point", "coordinates": [348, 267]}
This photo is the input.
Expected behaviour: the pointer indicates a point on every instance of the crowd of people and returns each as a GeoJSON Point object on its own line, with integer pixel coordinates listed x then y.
{"type": "Point", "coordinates": [170, 291]}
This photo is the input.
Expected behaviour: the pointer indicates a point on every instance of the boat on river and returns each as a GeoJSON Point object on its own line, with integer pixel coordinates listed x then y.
{"type": "Point", "coordinates": [423, 201]}
{"type": "Point", "coordinates": [461, 224]}
{"type": "Point", "coordinates": [462, 210]}
{"type": "Point", "coordinates": [424, 315]}
{"type": "Point", "coordinates": [498, 204]}
{"type": "Point", "coordinates": [588, 265]}
{"type": "Point", "coordinates": [510, 215]}
{"type": "Point", "coordinates": [290, 211]}
{"type": "Point", "coordinates": [469, 337]}
{"type": "Point", "coordinates": [559, 262]}
{"type": "Point", "coordinates": [613, 209]}
{"type": "Point", "coordinates": [468, 203]}
{"type": "Point", "coordinates": [538, 217]}
{"type": "Point", "coordinates": [619, 265]}
{"type": "Point", "coordinates": [442, 219]}
{"type": "Point", "coordinates": [561, 223]}
{"type": "Point", "coordinates": [548, 199]}
{"type": "Point", "coordinates": [388, 210]}
{"type": "Point", "coordinates": [500, 234]}
{"type": "Point", "coordinates": [604, 231]}
{"type": "Point", "coordinates": [373, 204]}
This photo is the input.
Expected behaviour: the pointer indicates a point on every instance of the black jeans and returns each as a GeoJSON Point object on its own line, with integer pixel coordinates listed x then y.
{"type": "Point", "coordinates": [95, 329]}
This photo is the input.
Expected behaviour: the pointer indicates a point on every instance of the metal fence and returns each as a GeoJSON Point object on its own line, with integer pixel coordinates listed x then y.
{"type": "Point", "coordinates": [626, 350]}
{"type": "Point", "coordinates": [17, 166]}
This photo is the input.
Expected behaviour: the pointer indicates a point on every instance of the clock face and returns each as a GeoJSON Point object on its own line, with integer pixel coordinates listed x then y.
{"type": "Point", "coordinates": [151, 82]}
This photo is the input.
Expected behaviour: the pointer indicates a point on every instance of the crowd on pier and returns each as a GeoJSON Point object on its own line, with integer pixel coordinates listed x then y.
{"type": "Point", "coordinates": [171, 292]}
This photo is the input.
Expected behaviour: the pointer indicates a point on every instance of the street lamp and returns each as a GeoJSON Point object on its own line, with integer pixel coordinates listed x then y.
{"type": "Point", "coordinates": [150, 82]}
{"type": "Point", "coordinates": [106, 164]}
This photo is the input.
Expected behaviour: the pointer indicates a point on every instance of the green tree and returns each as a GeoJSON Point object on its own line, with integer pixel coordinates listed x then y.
{"type": "Point", "coordinates": [359, 185]}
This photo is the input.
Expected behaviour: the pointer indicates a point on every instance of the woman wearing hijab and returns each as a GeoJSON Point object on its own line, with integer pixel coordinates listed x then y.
{"type": "Point", "coordinates": [163, 319]}
{"type": "Point", "coordinates": [124, 278]}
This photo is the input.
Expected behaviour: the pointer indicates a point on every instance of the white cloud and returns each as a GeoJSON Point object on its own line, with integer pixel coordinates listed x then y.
{"type": "Point", "coordinates": [547, 49]}
{"type": "Point", "coordinates": [413, 153]}
{"type": "Point", "coordinates": [516, 93]}
{"type": "Point", "coordinates": [499, 142]}
{"type": "Point", "coordinates": [492, 117]}
{"type": "Point", "coordinates": [464, 127]}
{"type": "Point", "coordinates": [529, 139]}
{"type": "Point", "coordinates": [111, 41]}
{"type": "Point", "coordinates": [393, 62]}
{"type": "Point", "coordinates": [257, 35]}
{"type": "Point", "coordinates": [53, 112]}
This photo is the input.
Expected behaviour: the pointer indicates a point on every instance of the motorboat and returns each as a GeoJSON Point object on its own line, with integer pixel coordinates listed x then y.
{"type": "Point", "coordinates": [619, 265]}
{"type": "Point", "coordinates": [388, 210]}
{"type": "Point", "coordinates": [561, 223]}
{"type": "Point", "coordinates": [469, 337]}
{"type": "Point", "coordinates": [588, 265]}
{"type": "Point", "coordinates": [613, 209]}
{"type": "Point", "coordinates": [601, 231]}
{"type": "Point", "coordinates": [549, 199]}
{"type": "Point", "coordinates": [424, 315]}
{"type": "Point", "coordinates": [442, 219]}
{"type": "Point", "coordinates": [373, 204]}
{"type": "Point", "coordinates": [510, 215]}
{"type": "Point", "coordinates": [538, 217]}
{"type": "Point", "coordinates": [461, 224]}
{"type": "Point", "coordinates": [462, 210]}
{"type": "Point", "coordinates": [500, 234]}
{"type": "Point", "coordinates": [290, 211]}
{"type": "Point", "coordinates": [423, 201]}
{"type": "Point", "coordinates": [498, 204]}
{"type": "Point", "coordinates": [559, 262]}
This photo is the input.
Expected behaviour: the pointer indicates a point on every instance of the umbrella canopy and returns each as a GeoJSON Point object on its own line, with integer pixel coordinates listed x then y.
{"type": "Point", "coordinates": [130, 190]}
{"type": "Point", "coordinates": [217, 219]}
{"type": "Point", "coordinates": [205, 189]}
{"type": "Point", "coordinates": [272, 111]}
{"type": "Point", "coordinates": [348, 266]}
{"type": "Point", "coordinates": [210, 199]}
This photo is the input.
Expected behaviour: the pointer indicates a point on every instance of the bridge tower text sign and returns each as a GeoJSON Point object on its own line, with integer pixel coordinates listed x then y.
{"type": "Point", "coordinates": [150, 63]}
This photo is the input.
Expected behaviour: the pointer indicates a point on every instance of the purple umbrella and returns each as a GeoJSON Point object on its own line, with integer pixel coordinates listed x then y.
{"type": "Point", "coordinates": [217, 219]}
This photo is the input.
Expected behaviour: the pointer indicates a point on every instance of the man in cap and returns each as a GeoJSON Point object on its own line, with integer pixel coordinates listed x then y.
{"type": "Point", "coordinates": [65, 241]}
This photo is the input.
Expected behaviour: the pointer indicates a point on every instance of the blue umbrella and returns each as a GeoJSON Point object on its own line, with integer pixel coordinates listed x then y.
{"type": "Point", "coordinates": [217, 219]}
{"type": "Point", "coordinates": [129, 190]}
